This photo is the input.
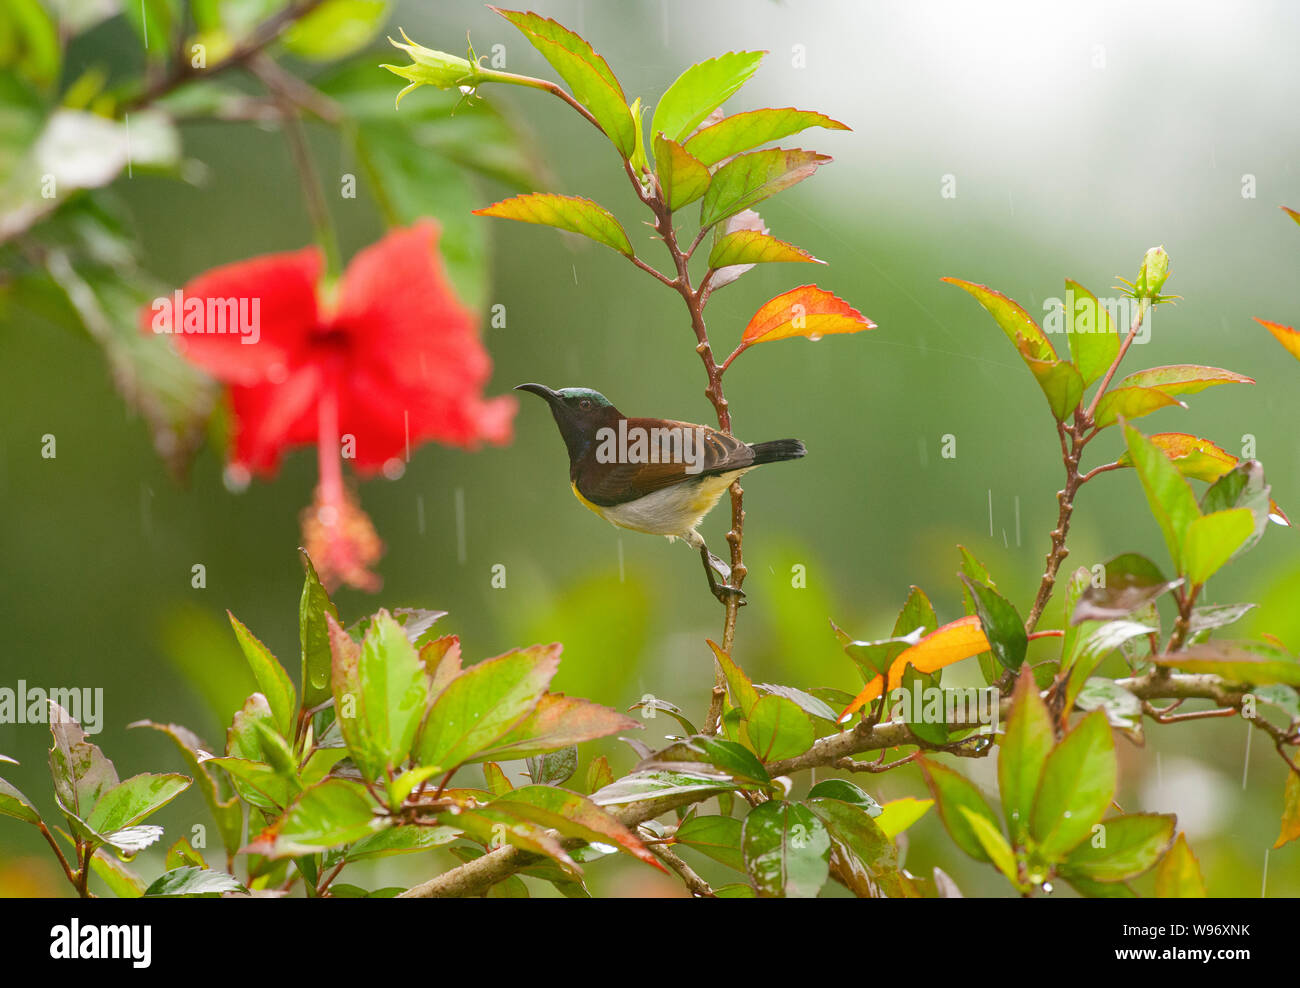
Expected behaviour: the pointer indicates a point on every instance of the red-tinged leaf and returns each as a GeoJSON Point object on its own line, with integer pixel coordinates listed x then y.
{"type": "Point", "coordinates": [700, 90]}
{"type": "Point", "coordinates": [1291, 212]}
{"type": "Point", "coordinates": [682, 178]}
{"type": "Point", "coordinates": [1254, 663]}
{"type": "Point", "coordinates": [557, 722]}
{"type": "Point", "coordinates": [743, 693]}
{"type": "Point", "coordinates": [1178, 379]}
{"type": "Point", "coordinates": [951, 643]}
{"type": "Point", "coordinates": [806, 311]}
{"type": "Point", "coordinates": [748, 179]}
{"type": "Point", "coordinates": [483, 704]}
{"type": "Point", "coordinates": [588, 75]}
{"type": "Point", "coordinates": [743, 131]}
{"type": "Point", "coordinates": [441, 660]}
{"type": "Point", "coordinates": [495, 826]}
{"type": "Point", "coordinates": [1131, 403]}
{"type": "Point", "coordinates": [571, 213]}
{"type": "Point", "coordinates": [754, 247]}
{"type": "Point", "coordinates": [573, 815]}
{"type": "Point", "coordinates": [1011, 318]}
{"type": "Point", "coordinates": [1290, 808]}
{"type": "Point", "coordinates": [1288, 337]}
{"type": "Point", "coordinates": [1199, 459]}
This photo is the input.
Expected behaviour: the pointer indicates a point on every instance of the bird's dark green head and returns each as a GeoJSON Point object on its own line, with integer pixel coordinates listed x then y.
{"type": "Point", "coordinates": [579, 413]}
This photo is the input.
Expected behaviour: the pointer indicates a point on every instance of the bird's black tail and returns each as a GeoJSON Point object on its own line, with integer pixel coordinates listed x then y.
{"type": "Point", "coordinates": [778, 450]}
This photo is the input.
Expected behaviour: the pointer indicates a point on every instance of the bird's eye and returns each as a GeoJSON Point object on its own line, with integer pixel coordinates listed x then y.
{"type": "Point", "coordinates": [585, 403]}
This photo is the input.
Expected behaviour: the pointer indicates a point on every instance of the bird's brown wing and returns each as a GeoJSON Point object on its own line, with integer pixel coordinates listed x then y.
{"type": "Point", "coordinates": [611, 483]}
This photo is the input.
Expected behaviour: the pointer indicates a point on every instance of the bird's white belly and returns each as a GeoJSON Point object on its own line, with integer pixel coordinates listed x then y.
{"type": "Point", "coordinates": [673, 511]}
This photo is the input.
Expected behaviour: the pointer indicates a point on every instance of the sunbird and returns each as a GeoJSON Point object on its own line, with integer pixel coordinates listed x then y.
{"type": "Point", "coordinates": [657, 476]}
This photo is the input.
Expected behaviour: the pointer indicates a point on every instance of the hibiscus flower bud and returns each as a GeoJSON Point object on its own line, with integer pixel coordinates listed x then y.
{"type": "Point", "coordinates": [1151, 276]}
{"type": "Point", "coordinates": [434, 68]}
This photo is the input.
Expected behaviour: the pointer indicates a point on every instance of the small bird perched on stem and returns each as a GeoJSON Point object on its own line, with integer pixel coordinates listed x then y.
{"type": "Point", "coordinates": [654, 475]}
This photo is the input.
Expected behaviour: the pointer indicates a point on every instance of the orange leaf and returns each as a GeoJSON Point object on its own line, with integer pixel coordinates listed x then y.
{"type": "Point", "coordinates": [805, 311]}
{"type": "Point", "coordinates": [951, 643]}
{"type": "Point", "coordinates": [1288, 337]}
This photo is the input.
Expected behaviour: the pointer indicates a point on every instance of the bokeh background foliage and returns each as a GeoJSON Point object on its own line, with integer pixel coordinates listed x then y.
{"type": "Point", "coordinates": [1076, 137]}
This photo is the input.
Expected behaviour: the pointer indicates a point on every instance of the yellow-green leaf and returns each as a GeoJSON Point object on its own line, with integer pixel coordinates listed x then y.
{"type": "Point", "coordinates": [700, 90]}
{"type": "Point", "coordinates": [1178, 876]}
{"type": "Point", "coordinates": [1131, 403]}
{"type": "Point", "coordinates": [1179, 379]}
{"type": "Point", "coordinates": [748, 179]}
{"type": "Point", "coordinates": [1090, 332]}
{"type": "Point", "coordinates": [1013, 320]}
{"type": "Point", "coordinates": [682, 178]}
{"type": "Point", "coordinates": [755, 247]}
{"type": "Point", "coordinates": [1212, 539]}
{"type": "Point", "coordinates": [572, 213]}
{"type": "Point", "coordinates": [742, 131]}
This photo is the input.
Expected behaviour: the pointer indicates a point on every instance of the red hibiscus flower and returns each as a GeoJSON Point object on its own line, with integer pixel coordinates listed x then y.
{"type": "Point", "coordinates": [391, 361]}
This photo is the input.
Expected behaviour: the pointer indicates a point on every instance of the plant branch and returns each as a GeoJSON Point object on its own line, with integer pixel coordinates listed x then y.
{"type": "Point", "coordinates": [697, 885]}
{"type": "Point", "coordinates": [184, 70]}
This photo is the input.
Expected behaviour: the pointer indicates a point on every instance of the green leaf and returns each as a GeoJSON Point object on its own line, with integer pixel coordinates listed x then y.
{"type": "Point", "coordinates": [273, 682]}
{"type": "Point", "coordinates": [588, 75]}
{"type": "Point", "coordinates": [778, 729]}
{"type": "Point", "coordinates": [13, 803]}
{"type": "Point", "coordinates": [1077, 786]}
{"type": "Point", "coordinates": [182, 854]}
{"type": "Point", "coordinates": [599, 774]}
{"type": "Point", "coordinates": [786, 850]}
{"type": "Point", "coordinates": [1178, 875]}
{"type": "Point", "coordinates": [483, 703]}
{"type": "Point", "coordinates": [1091, 334]}
{"type": "Point", "coordinates": [1094, 648]}
{"type": "Point", "coordinates": [806, 702]}
{"type": "Point", "coordinates": [495, 827]}
{"type": "Point", "coordinates": [845, 792]}
{"type": "Point", "coordinates": [1123, 710]}
{"type": "Point", "coordinates": [1242, 487]}
{"type": "Point", "coordinates": [1253, 663]}
{"type": "Point", "coordinates": [755, 247]}
{"type": "Point", "coordinates": [554, 768]}
{"type": "Point", "coordinates": [314, 636]}
{"type": "Point", "coordinates": [1131, 403]}
{"type": "Point", "coordinates": [742, 131]}
{"type": "Point", "coordinates": [1002, 625]}
{"type": "Point", "coordinates": [154, 21]}
{"type": "Point", "coordinates": [31, 39]}
{"type": "Point", "coordinates": [1171, 501]}
{"type": "Point", "coordinates": [329, 814]}
{"type": "Point", "coordinates": [660, 783]}
{"type": "Point", "coordinates": [571, 213]}
{"type": "Point", "coordinates": [954, 792]}
{"type": "Point", "coordinates": [572, 815]}
{"type": "Point", "coordinates": [717, 837]}
{"type": "Point", "coordinates": [335, 29]}
{"type": "Point", "coordinates": [1131, 582]}
{"type": "Point", "coordinates": [121, 880]}
{"type": "Point", "coordinates": [737, 761]}
{"type": "Point", "coordinates": [394, 691]}
{"type": "Point", "coordinates": [1180, 379]}
{"type": "Point", "coordinates": [681, 177]}
{"type": "Point", "coordinates": [650, 706]}
{"type": "Point", "coordinates": [1061, 383]}
{"type": "Point", "coordinates": [399, 840]}
{"type": "Point", "coordinates": [1012, 319]}
{"type": "Point", "coordinates": [855, 828]}
{"type": "Point", "coordinates": [994, 844]}
{"type": "Point", "coordinates": [748, 179]}
{"type": "Point", "coordinates": [1023, 750]}
{"type": "Point", "coordinates": [193, 882]}
{"type": "Point", "coordinates": [1130, 845]}
{"type": "Point", "coordinates": [1213, 539]}
{"type": "Point", "coordinates": [497, 782]}
{"type": "Point", "coordinates": [131, 801]}
{"type": "Point", "coordinates": [700, 90]}
{"type": "Point", "coordinates": [258, 784]}
{"type": "Point", "coordinates": [557, 721]}
{"type": "Point", "coordinates": [82, 773]}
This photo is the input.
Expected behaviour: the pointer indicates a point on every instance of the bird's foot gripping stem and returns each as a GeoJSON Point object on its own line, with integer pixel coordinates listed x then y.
{"type": "Point", "coordinates": [719, 574]}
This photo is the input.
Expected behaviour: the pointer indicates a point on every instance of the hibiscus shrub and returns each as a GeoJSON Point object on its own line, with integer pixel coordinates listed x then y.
{"type": "Point", "coordinates": [388, 744]}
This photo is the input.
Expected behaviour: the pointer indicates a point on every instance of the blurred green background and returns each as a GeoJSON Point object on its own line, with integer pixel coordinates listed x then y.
{"type": "Point", "coordinates": [1078, 135]}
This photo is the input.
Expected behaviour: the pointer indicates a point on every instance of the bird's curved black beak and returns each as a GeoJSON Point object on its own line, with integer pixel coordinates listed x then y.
{"type": "Point", "coordinates": [541, 390]}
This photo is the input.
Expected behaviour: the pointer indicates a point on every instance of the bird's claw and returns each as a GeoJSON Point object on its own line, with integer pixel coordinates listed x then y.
{"type": "Point", "coordinates": [722, 588]}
